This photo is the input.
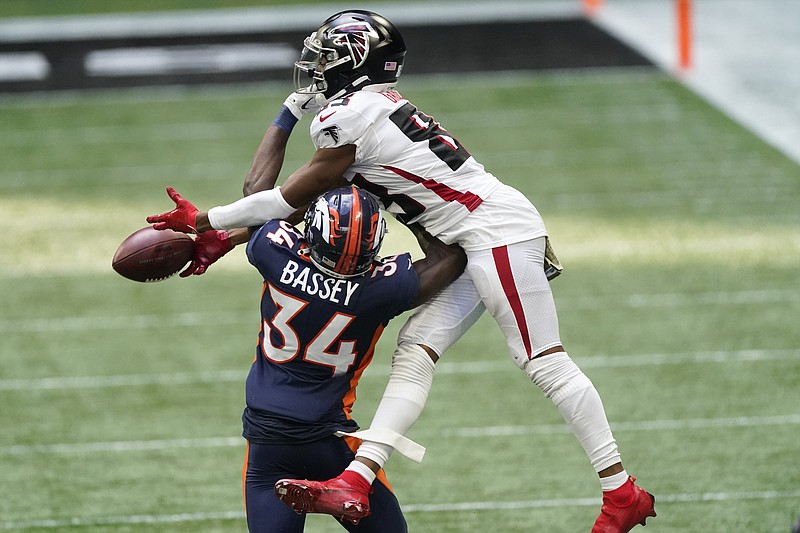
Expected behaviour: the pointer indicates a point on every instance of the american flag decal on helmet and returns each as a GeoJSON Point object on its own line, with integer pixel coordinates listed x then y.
{"type": "Point", "coordinates": [355, 36]}
{"type": "Point", "coordinates": [390, 65]}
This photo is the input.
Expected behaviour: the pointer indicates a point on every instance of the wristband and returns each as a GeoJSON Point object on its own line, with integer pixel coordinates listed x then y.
{"type": "Point", "coordinates": [285, 120]}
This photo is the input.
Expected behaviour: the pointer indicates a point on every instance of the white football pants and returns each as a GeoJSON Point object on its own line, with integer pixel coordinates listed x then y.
{"type": "Point", "coordinates": [510, 282]}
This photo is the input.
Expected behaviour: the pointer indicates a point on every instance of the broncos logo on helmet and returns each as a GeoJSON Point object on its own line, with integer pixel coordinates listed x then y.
{"type": "Point", "coordinates": [344, 230]}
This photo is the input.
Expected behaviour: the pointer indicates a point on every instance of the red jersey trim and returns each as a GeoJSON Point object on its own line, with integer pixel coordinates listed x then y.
{"type": "Point", "coordinates": [469, 200]}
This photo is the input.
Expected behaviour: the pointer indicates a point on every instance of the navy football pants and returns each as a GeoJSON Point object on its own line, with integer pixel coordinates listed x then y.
{"type": "Point", "coordinates": [265, 464]}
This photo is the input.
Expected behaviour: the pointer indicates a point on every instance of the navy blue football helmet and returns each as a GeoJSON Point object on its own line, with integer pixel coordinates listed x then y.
{"type": "Point", "coordinates": [352, 49]}
{"type": "Point", "coordinates": [344, 230]}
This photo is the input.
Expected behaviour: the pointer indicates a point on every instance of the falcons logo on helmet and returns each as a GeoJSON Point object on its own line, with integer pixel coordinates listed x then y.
{"type": "Point", "coordinates": [354, 36]}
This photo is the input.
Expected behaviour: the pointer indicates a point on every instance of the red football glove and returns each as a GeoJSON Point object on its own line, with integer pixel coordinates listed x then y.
{"type": "Point", "coordinates": [208, 247]}
{"type": "Point", "coordinates": [183, 218]}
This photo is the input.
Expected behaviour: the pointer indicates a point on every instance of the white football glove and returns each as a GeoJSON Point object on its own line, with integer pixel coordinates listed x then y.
{"type": "Point", "coordinates": [302, 103]}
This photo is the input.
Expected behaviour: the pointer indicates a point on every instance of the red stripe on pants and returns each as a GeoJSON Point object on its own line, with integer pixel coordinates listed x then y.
{"type": "Point", "coordinates": [503, 266]}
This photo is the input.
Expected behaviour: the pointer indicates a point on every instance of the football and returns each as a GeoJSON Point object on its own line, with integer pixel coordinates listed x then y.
{"type": "Point", "coordinates": [153, 255]}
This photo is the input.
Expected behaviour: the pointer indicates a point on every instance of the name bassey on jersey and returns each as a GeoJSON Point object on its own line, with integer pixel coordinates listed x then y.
{"type": "Point", "coordinates": [317, 284]}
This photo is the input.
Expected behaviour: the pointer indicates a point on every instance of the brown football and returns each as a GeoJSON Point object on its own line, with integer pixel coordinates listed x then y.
{"type": "Point", "coordinates": [153, 255]}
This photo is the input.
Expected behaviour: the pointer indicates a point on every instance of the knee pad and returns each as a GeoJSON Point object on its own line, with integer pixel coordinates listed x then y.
{"type": "Point", "coordinates": [557, 375]}
{"type": "Point", "coordinates": [579, 403]}
{"type": "Point", "coordinates": [412, 374]}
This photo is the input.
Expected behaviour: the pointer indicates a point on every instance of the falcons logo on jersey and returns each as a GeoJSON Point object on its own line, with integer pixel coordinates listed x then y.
{"type": "Point", "coordinates": [354, 36]}
{"type": "Point", "coordinates": [332, 132]}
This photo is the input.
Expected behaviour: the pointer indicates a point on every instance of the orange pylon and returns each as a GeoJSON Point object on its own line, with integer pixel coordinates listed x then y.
{"type": "Point", "coordinates": [684, 23]}
{"type": "Point", "coordinates": [590, 7]}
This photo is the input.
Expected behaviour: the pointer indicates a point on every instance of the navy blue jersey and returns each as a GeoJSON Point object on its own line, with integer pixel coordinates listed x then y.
{"type": "Point", "coordinates": [318, 334]}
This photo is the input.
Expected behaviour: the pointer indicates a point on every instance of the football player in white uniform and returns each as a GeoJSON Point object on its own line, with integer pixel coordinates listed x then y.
{"type": "Point", "coordinates": [367, 134]}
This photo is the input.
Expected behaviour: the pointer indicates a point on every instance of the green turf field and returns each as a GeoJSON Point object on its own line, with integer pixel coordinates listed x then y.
{"type": "Point", "coordinates": [678, 229]}
{"type": "Point", "coordinates": [27, 8]}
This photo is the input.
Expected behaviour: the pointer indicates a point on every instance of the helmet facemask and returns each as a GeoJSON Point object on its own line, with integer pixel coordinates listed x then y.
{"type": "Point", "coordinates": [309, 70]}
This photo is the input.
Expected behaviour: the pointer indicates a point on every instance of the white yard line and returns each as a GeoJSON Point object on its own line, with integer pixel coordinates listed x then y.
{"type": "Point", "coordinates": [663, 499]}
{"type": "Point", "coordinates": [122, 380]}
{"type": "Point", "coordinates": [633, 301]}
{"type": "Point", "coordinates": [500, 364]}
{"type": "Point", "coordinates": [738, 167]}
{"type": "Point", "coordinates": [123, 322]}
{"type": "Point", "coordinates": [77, 521]}
{"type": "Point", "coordinates": [123, 446]}
{"type": "Point", "coordinates": [643, 425]}
{"type": "Point", "coordinates": [83, 448]}
{"type": "Point", "coordinates": [278, 89]}
{"type": "Point", "coordinates": [88, 134]}
{"type": "Point", "coordinates": [585, 502]}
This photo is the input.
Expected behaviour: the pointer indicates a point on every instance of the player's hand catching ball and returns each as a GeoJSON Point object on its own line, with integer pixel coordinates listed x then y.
{"type": "Point", "coordinates": [209, 246]}
{"type": "Point", "coordinates": [183, 218]}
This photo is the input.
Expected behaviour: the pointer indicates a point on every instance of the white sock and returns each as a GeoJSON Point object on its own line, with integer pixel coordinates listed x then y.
{"type": "Point", "coordinates": [362, 470]}
{"type": "Point", "coordinates": [405, 396]}
{"type": "Point", "coordinates": [614, 481]}
{"type": "Point", "coordinates": [579, 403]}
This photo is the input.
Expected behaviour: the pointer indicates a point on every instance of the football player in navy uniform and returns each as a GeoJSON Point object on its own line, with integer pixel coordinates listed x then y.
{"type": "Point", "coordinates": [326, 299]}
{"type": "Point", "coordinates": [367, 134]}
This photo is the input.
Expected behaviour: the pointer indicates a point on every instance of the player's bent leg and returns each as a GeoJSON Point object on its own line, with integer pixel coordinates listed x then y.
{"type": "Point", "coordinates": [427, 334]}
{"type": "Point", "coordinates": [516, 292]}
{"type": "Point", "coordinates": [403, 400]}
{"type": "Point", "coordinates": [444, 319]}
{"type": "Point", "coordinates": [433, 327]}
{"type": "Point", "coordinates": [624, 503]}
{"type": "Point", "coordinates": [579, 403]}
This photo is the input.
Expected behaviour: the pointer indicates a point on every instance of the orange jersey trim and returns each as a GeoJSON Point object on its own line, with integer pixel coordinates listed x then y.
{"type": "Point", "coordinates": [350, 398]}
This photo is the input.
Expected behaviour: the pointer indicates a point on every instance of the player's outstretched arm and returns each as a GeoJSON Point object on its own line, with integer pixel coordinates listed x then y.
{"type": "Point", "coordinates": [441, 266]}
{"type": "Point", "coordinates": [324, 172]}
{"type": "Point", "coordinates": [267, 162]}
{"type": "Point", "coordinates": [271, 152]}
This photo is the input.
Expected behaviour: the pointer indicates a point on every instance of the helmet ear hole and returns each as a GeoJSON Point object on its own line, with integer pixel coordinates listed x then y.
{"type": "Point", "coordinates": [344, 230]}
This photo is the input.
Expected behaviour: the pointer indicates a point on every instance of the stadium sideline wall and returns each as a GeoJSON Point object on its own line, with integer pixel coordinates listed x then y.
{"type": "Point", "coordinates": [103, 53]}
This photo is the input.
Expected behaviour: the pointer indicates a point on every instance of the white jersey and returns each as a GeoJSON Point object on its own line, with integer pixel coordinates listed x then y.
{"type": "Point", "coordinates": [421, 174]}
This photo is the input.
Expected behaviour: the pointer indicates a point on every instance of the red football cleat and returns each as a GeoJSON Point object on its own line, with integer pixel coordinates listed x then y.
{"type": "Point", "coordinates": [616, 518]}
{"type": "Point", "coordinates": [335, 497]}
